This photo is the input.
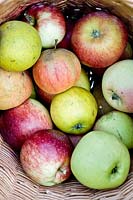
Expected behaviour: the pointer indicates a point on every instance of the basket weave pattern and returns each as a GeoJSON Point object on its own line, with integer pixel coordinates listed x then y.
{"type": "Point", "coordinates": [14, 184]}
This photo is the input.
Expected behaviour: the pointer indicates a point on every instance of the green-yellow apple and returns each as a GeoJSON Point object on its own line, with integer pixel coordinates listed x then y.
{"type": "Point", "coordinates": [100, 161]}
{"type": "Point", "coordinates": [20, 45]}
{"type": "Point", "coordinates": [74, 111]}
{"type": "Point", "coordinates": [103, 106]}
{"type": "Point", "coordinates": [83, 80]}
{"type": "Point", "coordinates": [56, 70]}
{"type": "Point", "coordinates": [117, 85]}
{"type": "Point", "coordinates": [99, 38]}
{"type": "Point", "coordinates": [119, 124]}
{"type": "Point", "coordinates": [45, 157]}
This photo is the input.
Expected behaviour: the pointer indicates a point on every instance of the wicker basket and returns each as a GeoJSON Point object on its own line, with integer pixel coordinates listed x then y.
{"type": "Point", "coordinates": [14, 184]}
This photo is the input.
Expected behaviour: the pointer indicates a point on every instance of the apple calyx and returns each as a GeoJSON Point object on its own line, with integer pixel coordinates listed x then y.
{"type": "Point", "coordinates": [115, 96]}
{"type": "Point", "coordinates": [95, 33]}
{"type": "Point", "coordinates": [78, 126]}
{"type": "Point", "coordinates": [114, 170]}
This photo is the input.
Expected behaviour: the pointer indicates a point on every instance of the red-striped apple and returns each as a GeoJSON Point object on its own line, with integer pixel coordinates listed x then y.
{"type": "Point", "coordinates": [56, 70]}
{"type": "Point", "coordinates": [45, 157]}
{"type": "Point", "coordinates": [19, 123]}
{"type": "Point", "coordinates": [49, 21]}
{"type": "Point", "coordinates": [99, 39]}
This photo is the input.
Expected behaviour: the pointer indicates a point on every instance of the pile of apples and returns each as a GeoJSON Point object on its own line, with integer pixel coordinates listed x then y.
{"type": "Point", "coordinates": [66, 90]}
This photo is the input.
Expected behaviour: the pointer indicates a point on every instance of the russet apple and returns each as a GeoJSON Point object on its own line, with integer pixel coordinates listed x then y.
{"type": "Point", "coordinates": [119, 124]}
{"type": "Point", "coordinates": [49, 22]}
{"type": "Point", "coordinates": [56, 70]}
{"type": "Point", "coordinates": [45, 157]}
{"type": "Point", "coordinates": [99, 38]}
{"type": "Point", "coordinates": [19, 123]}
{"type": "Point", "coordinates": [74, 111]}
{"type": "Point", "coordinates": [15, 88]}
{"type": "Point", "coordinates": [117, 85]}
{"type": "Point", "coordinates": [100, 161]}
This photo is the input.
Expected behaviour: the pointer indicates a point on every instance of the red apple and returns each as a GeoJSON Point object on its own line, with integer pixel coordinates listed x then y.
{"type": "Point", "coordinates": [75, 139]}
{"type": "Point", "coordinates": [99, 71]}
{"type": "Point", "coordinates": [49, 21]}
{"type": "Point", "coordinates": [15, 88]}
{"type": "Point", "coordinates": [18, 123]}
{"type": "Point", "coordinates": [99, 39]}
{"type": "Point", "coordinates": [56, 70]}
{"type": "Point", "coordinates": [83, 82]}
{"type": "Point", "coordinates": [45, 157]}
{"type": "Point", "coordinates": [44, 96]}
{"type": "Point", "coordinates": [66, 42]}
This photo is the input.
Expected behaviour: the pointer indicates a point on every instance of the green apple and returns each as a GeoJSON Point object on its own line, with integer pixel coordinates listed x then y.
{"type": "Point", "coordinates": [20, 45]}
{"type": "Point", "coordinates": [100, 161]}
{"type": "Point", "coordinates": [119, 124]}
{"type": "Point", "coordinates": [117, 85]}
{"type": "Point", "coordinates": [74, 111]}
{"type": "Point", "coordinates": [83, 80]}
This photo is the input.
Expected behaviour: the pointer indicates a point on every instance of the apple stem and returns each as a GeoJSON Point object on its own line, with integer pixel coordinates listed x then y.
{"type": "Point", "coordinates": [55, 45]}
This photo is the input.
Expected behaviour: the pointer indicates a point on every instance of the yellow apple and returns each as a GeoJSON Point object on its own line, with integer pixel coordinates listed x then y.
{"type": "Point", "coordinates": [20, 45]}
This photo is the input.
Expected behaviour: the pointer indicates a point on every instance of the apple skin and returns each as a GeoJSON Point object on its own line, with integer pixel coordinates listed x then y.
{"type": "Point", "coordinates": [20, 46]}
{"type": "Point", "coordinates": [50, 23]}
{"type": "Point", "coordinates": [45, 157]}
{"type": "Point", "coordinates": [56, 70]}
{"type": "Point", "coordinates": [15, 88]}
{"type": "Point", "coordinates": [74, 111]}
{"type": "Point", "coordinates": [117, 85]}
{"type": "Point", "coordinates": [99, 39]}
{"type": "Point", "coordinates": [66, 41]}
{"type": "Point", "coordinates": [128, 52]}
{"type": "Point", "coordinates": [43, 96]}
{"type": "Point", "coordinates": [17, 124]}
{"type": "Point", "coordinates": [100, 161]}
{"type": "Point", "coordinates": [75, 139]}
{"type": "Point", "coordinates": [119, 124]}
{"type": "Point", "coordinates": [103, 106]}
{"type": "Point", "coordinates": [83, 82]}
